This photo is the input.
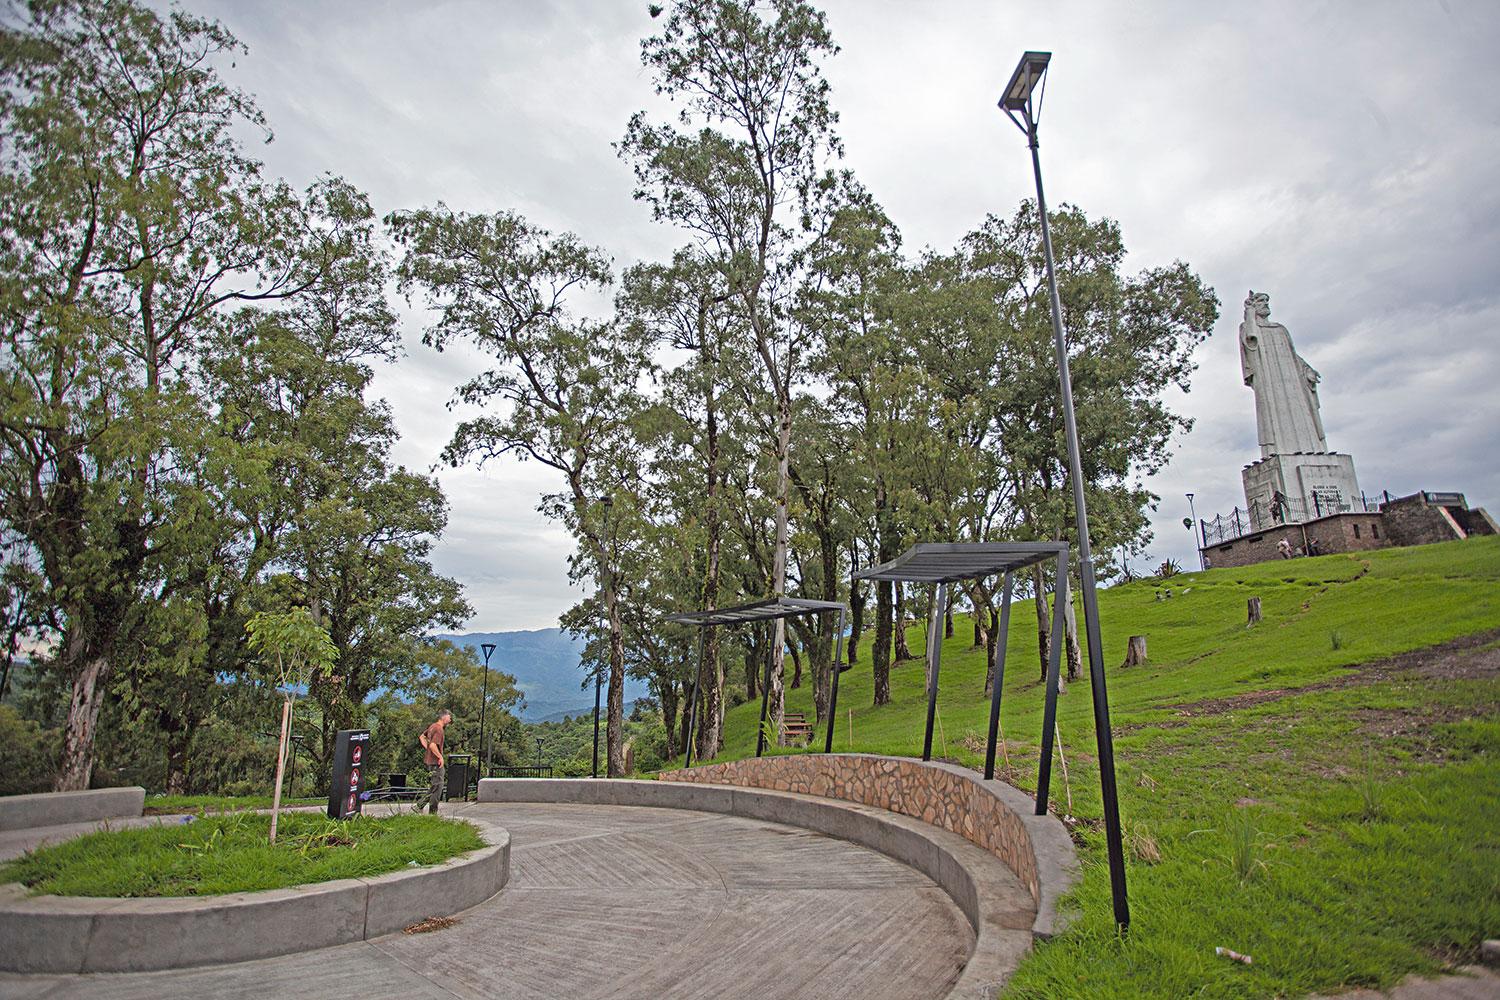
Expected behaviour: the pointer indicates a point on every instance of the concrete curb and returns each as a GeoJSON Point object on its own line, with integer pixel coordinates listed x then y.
{"type": "Point", "coordinates": [70, 934]}
{"type": "Point", "coordinates": [997, 904]}
{"type": "Point", "coordinates": [24, 812]}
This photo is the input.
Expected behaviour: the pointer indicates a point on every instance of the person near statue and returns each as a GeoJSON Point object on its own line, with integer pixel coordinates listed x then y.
{"type": "Point", "coordinates": [432, 742]}
{"type": "Point", "coordinates": [1287, 412]}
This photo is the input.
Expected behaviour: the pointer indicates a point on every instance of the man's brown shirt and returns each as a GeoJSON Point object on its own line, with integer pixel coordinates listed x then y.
{"type": "Point", "coordinates": [434, 736]}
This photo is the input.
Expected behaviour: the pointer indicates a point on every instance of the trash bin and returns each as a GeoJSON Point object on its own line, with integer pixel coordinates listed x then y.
{"type": "Point", "coordinates": [460, 766]}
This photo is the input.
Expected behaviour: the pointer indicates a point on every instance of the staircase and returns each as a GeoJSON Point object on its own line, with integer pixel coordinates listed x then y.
{"type": "Point", "coordinates": [795, 730]}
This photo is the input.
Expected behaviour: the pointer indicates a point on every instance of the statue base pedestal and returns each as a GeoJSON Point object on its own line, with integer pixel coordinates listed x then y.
{"type": "Point", "coordinates": [1314, 485]}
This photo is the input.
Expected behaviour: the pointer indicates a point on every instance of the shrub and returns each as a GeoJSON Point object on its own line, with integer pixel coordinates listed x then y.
{"type": "Point", "coordinates": [30, 754]}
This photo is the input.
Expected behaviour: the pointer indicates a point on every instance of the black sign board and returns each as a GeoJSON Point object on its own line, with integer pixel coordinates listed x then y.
{"type": "Point", "coordinates": [351, 751]}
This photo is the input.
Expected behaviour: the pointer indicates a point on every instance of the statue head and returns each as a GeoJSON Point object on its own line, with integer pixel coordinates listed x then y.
{"type": "Point", "coordinates": [1259, 303]}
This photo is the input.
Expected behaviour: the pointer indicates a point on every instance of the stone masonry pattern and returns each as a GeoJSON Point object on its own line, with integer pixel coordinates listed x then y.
{"type": "Point", "coordinates": [948, 797]}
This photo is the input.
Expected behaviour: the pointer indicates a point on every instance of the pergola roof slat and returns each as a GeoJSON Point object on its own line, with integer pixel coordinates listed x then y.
{"type": "Point", "coordinates": [757, 611]}
{"type": "Point", "coordinates": [948, 562]}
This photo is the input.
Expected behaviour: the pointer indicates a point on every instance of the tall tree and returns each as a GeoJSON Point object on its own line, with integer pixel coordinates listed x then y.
{"type": "Point", "coordinates": [744, 173]}
{"type": "Point", "coordinates": [129, 217]}
{"type": "Point", "coordinates": [566, 389]}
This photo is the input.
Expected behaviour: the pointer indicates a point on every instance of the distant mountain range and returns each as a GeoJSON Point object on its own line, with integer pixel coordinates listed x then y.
{"type": "Point", "coordinates": [545, 664]}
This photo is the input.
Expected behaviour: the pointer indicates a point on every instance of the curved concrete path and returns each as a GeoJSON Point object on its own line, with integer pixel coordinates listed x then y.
{"type": "Point", "coordinates": [626, 901]}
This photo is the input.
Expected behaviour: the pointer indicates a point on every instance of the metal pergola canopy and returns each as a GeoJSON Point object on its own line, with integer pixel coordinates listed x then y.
{"type": "Point", "coordinates": [756, 611]}
{"type": "Point", "coordinates": [767, 610]}
{"type": "Point", "coordinates": [948, 562]}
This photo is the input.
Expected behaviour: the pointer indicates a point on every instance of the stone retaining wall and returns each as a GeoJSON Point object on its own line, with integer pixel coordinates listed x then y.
{"type": "Point", "coordinates": [70, 934]}
{"type": "Point", "coordinates": [991, 814]}
{"type": "Point", "coordinates": [23, 812]}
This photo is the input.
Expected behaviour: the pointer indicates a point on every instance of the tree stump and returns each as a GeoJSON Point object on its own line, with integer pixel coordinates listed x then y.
{"type": "Point", "coordinates": [1135, 652]}
{"type": "Point", "coordinates": [1254, 610]}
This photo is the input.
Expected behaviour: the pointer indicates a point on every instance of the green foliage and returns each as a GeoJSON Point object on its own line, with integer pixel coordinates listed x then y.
{"type": "Point", "coordinates": [292, 643]}
{"type": "Point", "coordinates": [228, 852]}
{"type": "Point", "coordinates": [30, 754]}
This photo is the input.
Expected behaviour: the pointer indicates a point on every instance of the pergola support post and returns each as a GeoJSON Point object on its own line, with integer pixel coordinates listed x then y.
{"type": "Point", "coordinates": [833, 694]}
{"type": "Point", "coordinates": [765, 694]}
{"type": "Point", "coordinates": [1000, 640]}
{"type": "Point", "coordinates": [934, 661]}
{"type": "Point", "coordinates": [1054, 667]}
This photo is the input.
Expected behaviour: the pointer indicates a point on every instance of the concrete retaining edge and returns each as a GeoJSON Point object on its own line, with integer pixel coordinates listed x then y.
{"type": "Point", "coordinates": [979, 884]}
{"type": "Point", "coordinates": [24, 812]}
{"type": "Point", "coordinates": [70, 934]}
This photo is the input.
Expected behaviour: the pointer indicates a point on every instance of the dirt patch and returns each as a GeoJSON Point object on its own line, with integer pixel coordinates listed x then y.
{"type": "Point", "coordinates": [1471, 657]}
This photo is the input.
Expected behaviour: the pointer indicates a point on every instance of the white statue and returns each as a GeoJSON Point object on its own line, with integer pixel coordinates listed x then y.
{"type": "Point", "coordinates": [1287, 415]}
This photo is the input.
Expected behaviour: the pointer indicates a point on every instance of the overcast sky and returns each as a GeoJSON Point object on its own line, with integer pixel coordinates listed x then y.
{"type": "Point", "coordinates": [1342, 157]}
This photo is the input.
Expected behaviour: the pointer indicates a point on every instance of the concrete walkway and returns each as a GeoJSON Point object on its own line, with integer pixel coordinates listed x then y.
{"type": "Point", "coordinates": [608, 901]}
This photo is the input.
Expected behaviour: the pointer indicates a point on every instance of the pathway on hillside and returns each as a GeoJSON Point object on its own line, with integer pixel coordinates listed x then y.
{"type": "Point", "coordinates": [609, 901]}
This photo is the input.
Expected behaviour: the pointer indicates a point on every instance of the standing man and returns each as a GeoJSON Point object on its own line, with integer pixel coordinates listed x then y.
{"type": "Point", "coordinates": [432, 741]}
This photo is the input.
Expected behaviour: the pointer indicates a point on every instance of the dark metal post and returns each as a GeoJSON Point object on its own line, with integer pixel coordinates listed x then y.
{"type": "Point", "coordinates": [1055, 643]}
{"type": "Point", "coordinates": [934, 660]}
{"type": "Point", "coordinates": [989, 752]}
{"type": "Point", "coordinates": [1112, 834]}
{"type": "Point", "coordinates": [598, 683]}
{"type": "Point", "coordinates": [1194, 513]}
{"type": "Point", "coordinates": [833, 695]}
{"type": "Point", "coordinates": [765, 695]}
{"type": "Point", "coordinates": [687, 757]}
{"type": "Point", "coordinates": [538, 756]}
{"type": "Point", "coordinates": [488, 648]}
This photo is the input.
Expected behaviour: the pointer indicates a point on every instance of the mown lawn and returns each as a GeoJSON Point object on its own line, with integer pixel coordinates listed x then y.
{"type": "Point", "coordinates": [229, 852]}
{"type": "Point", "coordinates": [1334, 820]}
{"type": "Point", "coordinates": [157, 805]}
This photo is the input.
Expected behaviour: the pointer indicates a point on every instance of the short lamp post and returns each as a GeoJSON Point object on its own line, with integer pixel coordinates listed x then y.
{"type": "Point", "coordinates": [1018, 105]}
{"type": "Point", "coordinates": [488, 648]}
{"type": "Point", "coordinates": [538, 756]}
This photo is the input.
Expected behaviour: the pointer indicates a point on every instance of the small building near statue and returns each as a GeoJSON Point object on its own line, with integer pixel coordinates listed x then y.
{"type": "Point", "coordinates": [1301, 497]}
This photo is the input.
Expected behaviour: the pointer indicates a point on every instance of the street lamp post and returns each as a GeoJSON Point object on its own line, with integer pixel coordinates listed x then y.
{"type": "Point", "coordinates": [1193, 527]}
{"type": "Point", "coordinates": [538, 756]}
{"type": "Point", "coordinates": [488, 648]}
{"type": "Point", "coordinates": [1018, 106]}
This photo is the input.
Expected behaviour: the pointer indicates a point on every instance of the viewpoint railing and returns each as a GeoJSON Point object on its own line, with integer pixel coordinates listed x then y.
{"type": "Point", "coordinates": [1263, 516]}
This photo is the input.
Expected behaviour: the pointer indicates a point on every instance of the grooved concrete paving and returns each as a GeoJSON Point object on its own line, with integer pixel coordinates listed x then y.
{"type": "Point", "coordinates": [619, 902]}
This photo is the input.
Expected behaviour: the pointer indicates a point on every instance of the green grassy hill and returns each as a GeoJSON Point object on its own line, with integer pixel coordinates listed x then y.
{"type": "Point", "coordinates": [1318, 791]}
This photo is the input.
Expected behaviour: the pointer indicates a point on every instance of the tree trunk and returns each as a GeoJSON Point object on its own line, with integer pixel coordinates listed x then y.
{"type": "Point", "coordinates": [778, 563]}
{"type": "Point", "coordinates": [752, 671]}
{"type": "Point", "coordinates": [856, 620]}
{"type": "Point", "coordinates": [76, 768]}
{"type": "Point", "coordinates": [286, 729]}
{"type": "Point", "coordinates": [899, 632]}
{"type": "Point", "coordinates": [880, 654]}
{"type": "Point", "coordinates": [1042, 626]}
{"type": "Point", "coordinates": [1254, 609]}
{"type": "Point", "coordinates": [948, 619]}
{"type": "Point", "coordinates": [796, 664]}
{"type": "Point", "coordinates": [1135, 652]}
{"type": "Point", "coordinates": [991, 650]}
{"type": "Point", "coordinates": [710, 734]}
{"type": "Point", "coordinates": [1075, 654]}
{"type": "Point", "coordinates": [615, 728]}
{"type": "Point", "coordinates": [178, 741]}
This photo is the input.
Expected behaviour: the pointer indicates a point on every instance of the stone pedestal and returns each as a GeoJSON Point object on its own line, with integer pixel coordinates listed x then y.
{"type": "Point", "coordinates": [1315, 484]}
